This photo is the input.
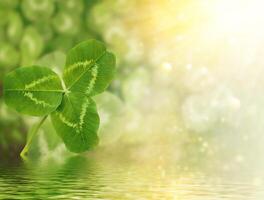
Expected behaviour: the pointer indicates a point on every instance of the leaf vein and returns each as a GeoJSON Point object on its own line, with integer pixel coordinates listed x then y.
{"type": "Point", "coordinates": [93, 80]}
{"type": "Point", "coordinates": [36, 101]}
{"type": "Point", "coordinates": [39, 81]}
{"type": "Point", "coordinates": [93, 63]}
{"type": "Point", "coordinates": [28, 90]}
{"type": "Point", "coordinates": [78, 64]}
{"type": "Point", "coordinates": [66, 121]}
{"type": "Point", "coordinates": [83, 112]}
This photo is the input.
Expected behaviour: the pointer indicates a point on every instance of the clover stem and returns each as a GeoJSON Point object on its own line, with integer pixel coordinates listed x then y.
{"type": "Point", "coordinates": [31, 135]}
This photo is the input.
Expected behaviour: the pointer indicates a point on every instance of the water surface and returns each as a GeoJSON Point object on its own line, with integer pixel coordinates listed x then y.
{"type": "Point", "coordinates": [93, 178]}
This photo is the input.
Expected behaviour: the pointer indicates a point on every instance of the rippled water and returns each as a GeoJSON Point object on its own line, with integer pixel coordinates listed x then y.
{"type": "Point", "coordinates": [89, 178]}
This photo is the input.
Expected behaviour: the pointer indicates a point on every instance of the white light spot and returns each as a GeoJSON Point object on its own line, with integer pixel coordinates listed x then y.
{"type": "Point", "coordinates": [239, 158]}
{"type": "Point", "coordinates": [234, 103]}
{"type": "Point", "coordinates": [167, 66]}
{"type": "Point", "coordinates": [189, 67]}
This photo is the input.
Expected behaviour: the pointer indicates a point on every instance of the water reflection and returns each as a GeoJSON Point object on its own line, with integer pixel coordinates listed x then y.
{"type": "Point", "coordinates": [91, 178]}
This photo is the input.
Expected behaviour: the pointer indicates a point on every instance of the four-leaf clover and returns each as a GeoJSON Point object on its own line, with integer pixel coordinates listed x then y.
{"type": "Point", "coordinates": [38, 91]}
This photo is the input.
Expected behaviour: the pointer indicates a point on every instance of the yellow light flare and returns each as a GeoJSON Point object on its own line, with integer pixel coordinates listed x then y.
{"type": "Point", "coordinates": [167, 66]}
{"type": "Point", "coordinates": [237, 16]}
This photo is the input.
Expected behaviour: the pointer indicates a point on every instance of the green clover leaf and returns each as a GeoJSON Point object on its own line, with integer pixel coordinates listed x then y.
{"type": "Point", "coordinates": [37, 91]}
{"type": "Point", "coordinates": [89, 70]}
{"type": "Point", "coordinates": [34, 90]}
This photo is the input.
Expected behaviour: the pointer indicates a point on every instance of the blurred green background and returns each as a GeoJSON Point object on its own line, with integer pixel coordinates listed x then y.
{"type": "Point", "coordinates": [183, 118]}
{"type": "Point", "coordinates": [188, 88]}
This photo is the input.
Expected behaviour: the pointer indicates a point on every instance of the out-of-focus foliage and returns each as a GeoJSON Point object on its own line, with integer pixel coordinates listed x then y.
{"type": "Point", "coordinates": [111, 110]}
{"type": "Point", "coordinates": [12, 133]}
{"type": "Point", "coordinates": [188, 84]}
{"type": "Point", "coordinates": [30, 31]}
